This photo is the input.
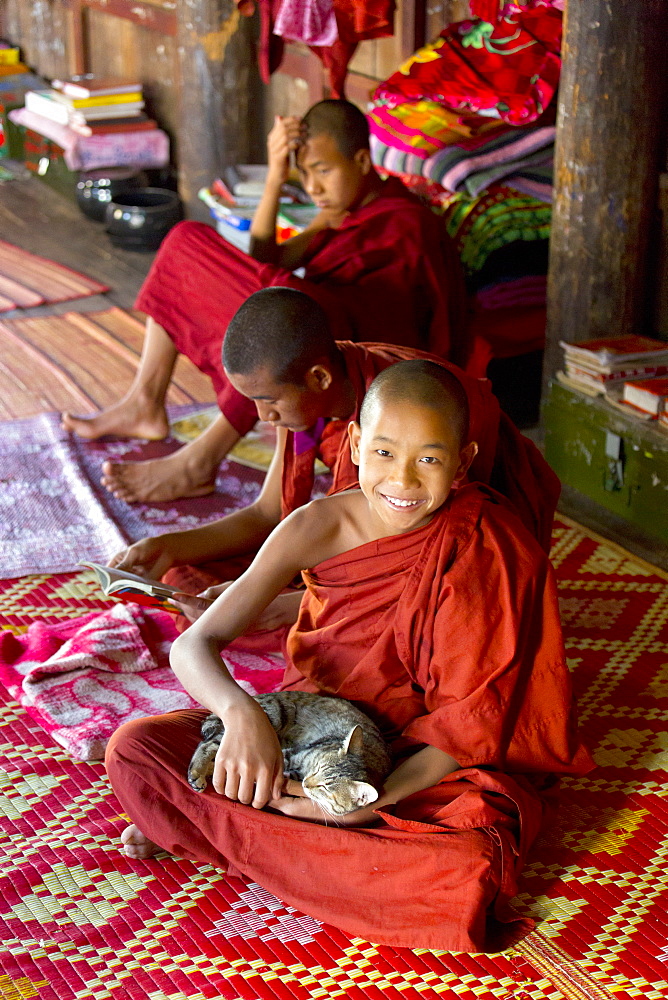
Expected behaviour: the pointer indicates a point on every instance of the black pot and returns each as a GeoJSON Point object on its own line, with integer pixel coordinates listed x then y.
{"type": "Point", "coordinates": [139, 220]}
{"type": "Point", "coordinates": [97, 188]}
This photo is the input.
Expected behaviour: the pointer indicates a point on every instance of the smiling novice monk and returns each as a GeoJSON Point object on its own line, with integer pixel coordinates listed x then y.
{"type": "Point", "coordinates": [378, 261]}
{"type": "Point", "coordinates": [433, 610]}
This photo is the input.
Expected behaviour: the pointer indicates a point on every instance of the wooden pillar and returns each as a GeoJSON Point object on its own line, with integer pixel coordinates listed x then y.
{"type": "Point", "coordinates": [220, 93]}
{"type": "Point", "coordinates": [610, 150]}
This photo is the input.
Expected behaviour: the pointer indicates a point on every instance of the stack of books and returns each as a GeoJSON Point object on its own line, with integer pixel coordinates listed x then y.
{"type": "Point", "coordinates": [92, 105]}
{"type": "Point", "coordinates": [603, 366]}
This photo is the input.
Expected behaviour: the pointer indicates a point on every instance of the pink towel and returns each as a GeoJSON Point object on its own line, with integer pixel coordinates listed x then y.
{"type": "Point", "coordinates": [82, 678]}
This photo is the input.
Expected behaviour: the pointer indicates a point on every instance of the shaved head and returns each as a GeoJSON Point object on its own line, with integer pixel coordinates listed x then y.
{"type": "Point", "coordinates": [342, 121]}
{"type": "Point", "coordinates": [421, 383]}
{"type": "Point", "coordinates": [281, 331]}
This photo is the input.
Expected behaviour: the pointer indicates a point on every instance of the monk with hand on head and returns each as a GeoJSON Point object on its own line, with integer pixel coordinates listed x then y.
{"type": "Point", "coordinates": [281, 355]}
{"type": "Point", "coordinates": [374, 257]}
{"type": "Point", "coordinates": [430, 606]}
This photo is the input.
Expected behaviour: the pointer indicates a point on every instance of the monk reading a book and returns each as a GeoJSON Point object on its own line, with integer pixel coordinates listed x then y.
{"type": "Point", "coordinates": [376, 259]}
{"type": "Point", "coordinates": [280, 353]}
{"type": "Point", "coordinates": [429, 606]}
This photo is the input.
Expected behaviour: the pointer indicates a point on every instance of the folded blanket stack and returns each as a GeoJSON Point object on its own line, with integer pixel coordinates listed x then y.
{"type": "Point", "coordinates": [468, 123]}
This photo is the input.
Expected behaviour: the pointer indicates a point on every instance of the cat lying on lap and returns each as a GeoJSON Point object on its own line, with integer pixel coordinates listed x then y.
{"type": "Point", "coordinates": [335, 750]}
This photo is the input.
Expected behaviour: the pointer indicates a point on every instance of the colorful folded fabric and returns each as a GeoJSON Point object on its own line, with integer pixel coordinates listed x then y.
{"type": "Point", "coordinates": [118, 149]}
{"type": "Point", "coordinates": [425, 127]}
{"type": "Point", "coordinates": [535, 181]}
{"type": "Point", "coordinates": [504, 151]}
{"type": "Point", "coordinates": [509, 69]}
{"type": "Point", "coordinates": [479, 180]}
{"type": "Point", "coordinates": [498, 217]}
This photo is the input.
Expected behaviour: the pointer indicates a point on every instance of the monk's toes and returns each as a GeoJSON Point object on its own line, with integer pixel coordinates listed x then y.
{"type": "Point", "coordinates": [136, 844]}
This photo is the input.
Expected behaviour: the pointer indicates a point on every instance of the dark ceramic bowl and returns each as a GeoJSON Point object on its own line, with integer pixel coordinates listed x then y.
{"type": "Point", "coordinates": [97, 188]}
{"type": "Point", "coordinates": [141, 219]}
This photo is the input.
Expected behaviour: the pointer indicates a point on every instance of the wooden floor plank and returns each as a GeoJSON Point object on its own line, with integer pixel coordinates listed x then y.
{"type": "Point", "coordinates": [88, 363]}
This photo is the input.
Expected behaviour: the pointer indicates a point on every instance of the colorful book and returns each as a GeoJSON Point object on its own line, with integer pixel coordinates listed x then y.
{"type": "Point", "coordinates": [107, 100]}
{"type": "Point", "coordinates": [9, 69]}
{"type": "Point", "coordinates": [90, 85]}
{"type": "Point", "coordinates": [650, 395]}
{"type": "Point", "coordinates": [9, 54]}
{"type": "Point", "coordinates": [134, 589]}
{"type": "Point", "coordinates": [40, 102]}
{"type": "Point", "coordinates": [84, 115]}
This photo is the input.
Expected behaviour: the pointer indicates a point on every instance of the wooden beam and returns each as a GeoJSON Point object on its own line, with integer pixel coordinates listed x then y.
{"type": "Point", "coordinates": [220, 97]}
{"type": "Point", "coordinates": [611, 141]}
{"type": "Point", "coordinates": [154, 16]}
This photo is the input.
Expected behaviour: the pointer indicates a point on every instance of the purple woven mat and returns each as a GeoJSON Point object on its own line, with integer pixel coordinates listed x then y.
{"type": "Point", "coordinates": [54, 513]}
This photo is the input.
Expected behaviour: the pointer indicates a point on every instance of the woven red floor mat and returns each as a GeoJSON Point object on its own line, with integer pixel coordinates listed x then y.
{"type": "Point", "coordinates": [27, 280]}
{"type": "Point", "coordinates": [78, 920]}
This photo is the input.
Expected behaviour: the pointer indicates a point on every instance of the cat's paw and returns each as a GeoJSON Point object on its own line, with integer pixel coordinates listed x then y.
{"type": "Point", "coordinates": [196, 780]}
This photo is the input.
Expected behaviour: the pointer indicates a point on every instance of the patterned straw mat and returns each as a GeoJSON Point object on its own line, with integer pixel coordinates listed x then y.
{"type": "Point", "coordinates": [27, 280]}
{"type": "Point", "coordinates": [79, 362]}
{"type": "Point", "coordinates": [79, 920]}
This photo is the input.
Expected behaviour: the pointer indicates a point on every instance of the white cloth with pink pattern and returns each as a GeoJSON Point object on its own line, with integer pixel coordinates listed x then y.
{"type": "Point", "coordinates": [82, 678]}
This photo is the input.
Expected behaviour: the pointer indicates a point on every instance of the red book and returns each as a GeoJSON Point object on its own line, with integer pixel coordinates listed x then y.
{"type": "Point", "coordinates": [88, 85]}
{"type": "Point", "coordinates": [613, 351]}
{"type": "Point", "coordinates": [117, 125]}
{"type": "Point", "coordinates": [649, 395]}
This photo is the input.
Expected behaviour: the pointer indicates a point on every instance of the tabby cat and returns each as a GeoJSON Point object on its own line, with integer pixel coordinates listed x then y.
{"type": "Point", "coordinates": [335, 750]}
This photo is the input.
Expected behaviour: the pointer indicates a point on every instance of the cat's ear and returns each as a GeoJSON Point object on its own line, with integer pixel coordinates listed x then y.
{"type": "Point", "coordinates": [354, 741]}
{"type": "Point", "coordinates": [365, 793]}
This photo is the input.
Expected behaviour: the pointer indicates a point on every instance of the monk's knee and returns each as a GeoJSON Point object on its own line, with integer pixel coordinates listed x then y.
{"type": "Point", "coordinates": [155, 743]}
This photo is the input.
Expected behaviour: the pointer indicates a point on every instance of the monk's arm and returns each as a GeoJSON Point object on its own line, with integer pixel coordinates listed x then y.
{"type": "Point", "coordinates": [249, 763]}
{"type": "Point", "coordinates": [293, 253]}
{"type": "Point", "coordinates": [235, 534]}
{"type": "Point", "coordinates": [425, 768]}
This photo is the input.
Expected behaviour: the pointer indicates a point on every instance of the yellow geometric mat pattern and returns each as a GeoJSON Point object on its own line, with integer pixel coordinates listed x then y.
{"type": "Point", "coordinates": [79, 920]}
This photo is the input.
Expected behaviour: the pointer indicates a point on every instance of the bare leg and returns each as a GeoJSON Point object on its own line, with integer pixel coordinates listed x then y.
{"type": "Point", "coordinates": [136, 845]}
{"type": "Point", "coordinates": [141, 413]}
{"type": "Point", "coordinates": [189, 472]}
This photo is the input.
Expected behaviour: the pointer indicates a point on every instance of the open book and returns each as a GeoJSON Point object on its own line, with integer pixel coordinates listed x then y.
{"type": "Point", "coordinates": [135, 589]}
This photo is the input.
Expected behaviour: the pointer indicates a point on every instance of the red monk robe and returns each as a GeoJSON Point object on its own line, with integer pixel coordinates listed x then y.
{"type": "Point", "coordinates": [387, 274]}
{"type": "Point", "coordinates": [447, 635]}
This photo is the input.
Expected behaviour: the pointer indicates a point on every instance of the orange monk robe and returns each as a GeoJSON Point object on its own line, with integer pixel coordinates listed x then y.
{"type": "Point", "coordinates": [388, 273]}
{"type": "Point", "coordinates": [447, 635]}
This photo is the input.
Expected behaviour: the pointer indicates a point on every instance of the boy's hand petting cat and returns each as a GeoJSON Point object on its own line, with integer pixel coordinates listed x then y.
{"type": "Point", "coordinates": [249, 761]}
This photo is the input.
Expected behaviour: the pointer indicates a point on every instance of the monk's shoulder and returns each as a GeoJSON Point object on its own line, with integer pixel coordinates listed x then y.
{"type": "Point", "coordinates": [480, 518]}
{"type": "Point", "coordinates": [319, 519]}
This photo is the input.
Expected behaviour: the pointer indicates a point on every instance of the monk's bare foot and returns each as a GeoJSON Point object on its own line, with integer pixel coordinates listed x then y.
{"type": "Point", "coordinates": [136, 845]}
{"type": "Point", "coordinates": [132, 417]}
{"type": "Point", "coordinates": [160, 479]}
